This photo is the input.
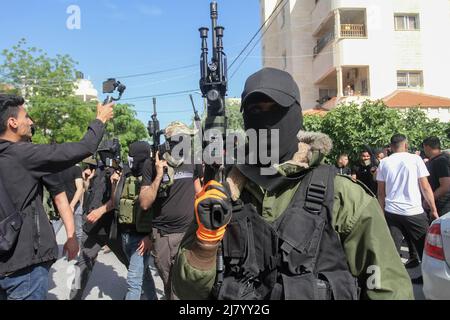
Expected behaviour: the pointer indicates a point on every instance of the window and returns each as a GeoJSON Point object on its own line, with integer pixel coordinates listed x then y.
{"type": "Point", "coordinates": [327, 94]}
{"type": "Point", "coordinates": [409, 79]}
{"type": "Point", "coordinates": [406, 22]}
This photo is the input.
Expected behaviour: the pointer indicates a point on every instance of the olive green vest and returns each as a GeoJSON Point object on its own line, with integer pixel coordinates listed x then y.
{"type": "Point", "coordinates": [130, 212]}
{"type": "Point", "coordinates": [49, 208]}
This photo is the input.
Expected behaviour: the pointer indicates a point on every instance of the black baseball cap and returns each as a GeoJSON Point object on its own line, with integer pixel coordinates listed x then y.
{"type": "Point", "coordinates": [277, 84]}
{"type": "Point", "coordinates": [139, 148]}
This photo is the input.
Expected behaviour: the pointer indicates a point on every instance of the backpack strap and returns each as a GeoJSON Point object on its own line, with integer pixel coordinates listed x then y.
{"type": "Point", "coordinates": [117, 196]}
{"type": "Point", "coordinates": [318, 187]}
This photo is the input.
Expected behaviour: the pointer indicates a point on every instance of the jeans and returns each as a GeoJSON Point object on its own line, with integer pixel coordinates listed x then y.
{"type": "Point", "coordinates": [30, 283]}
{"type": "Point", "coordinates": [139, 277]}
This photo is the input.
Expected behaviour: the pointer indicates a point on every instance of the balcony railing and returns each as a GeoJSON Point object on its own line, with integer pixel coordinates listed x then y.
{"type": "Point", "coordinates": [322, 42]}
{"type": "Point", "coordinates": [353, 31]}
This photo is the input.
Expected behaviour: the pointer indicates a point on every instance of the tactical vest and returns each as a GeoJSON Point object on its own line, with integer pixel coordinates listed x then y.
{"type": "Point", "coordinates": [49, 206]}
{"type": "Point", "coordinates": [130, 211]}
{"type": "Point", "coordinates": [298, 256]}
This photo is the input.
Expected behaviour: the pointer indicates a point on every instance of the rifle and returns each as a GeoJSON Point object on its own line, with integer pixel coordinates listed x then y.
{"type": "Point", "coordinates": [213, 85]}
{"type": "Point", "coordinates": [197, 119]}
{"type": "Point", "coordinates": [155, 133]}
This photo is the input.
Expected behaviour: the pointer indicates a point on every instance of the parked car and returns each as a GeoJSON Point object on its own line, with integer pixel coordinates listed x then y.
{"type": "Point", "coordinates": [436, 260]}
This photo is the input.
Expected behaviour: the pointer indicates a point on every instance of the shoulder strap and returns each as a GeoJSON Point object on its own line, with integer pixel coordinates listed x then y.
{"type": "Point", "coordinates": [117, 196]}
{"type": "Point", "coordinates": [317, 186]}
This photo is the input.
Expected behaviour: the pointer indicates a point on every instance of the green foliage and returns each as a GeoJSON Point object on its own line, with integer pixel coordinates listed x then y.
{"type": "Point", "coordinates": [351, 127]}
{"type": "Point", "coordinates": [37, 73]}
{"type": "Point", "coordinates": [59, 116]}
{"type": "Point", "coordinates": [126, 127]}
{"type": "Point", "coordinates": [234, 115]}
{"type": "Point", "coordinates": [312, 123]}
{"type": "Point", "coordinates": [59, 120]}
{"type": "Point", "coordinates": [417, 127]}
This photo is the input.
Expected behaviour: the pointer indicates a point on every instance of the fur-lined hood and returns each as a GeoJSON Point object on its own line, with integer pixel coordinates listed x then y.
{"type": "Point", "coordinates": [312, 148]}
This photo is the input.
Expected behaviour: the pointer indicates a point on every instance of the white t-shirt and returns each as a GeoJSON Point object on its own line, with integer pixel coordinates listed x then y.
{"type": "Point", "coordinates": [401, 172]}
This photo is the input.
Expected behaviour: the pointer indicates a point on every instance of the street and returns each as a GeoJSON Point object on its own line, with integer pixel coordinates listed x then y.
{"type": "Point", "coordinates": [108, 279]}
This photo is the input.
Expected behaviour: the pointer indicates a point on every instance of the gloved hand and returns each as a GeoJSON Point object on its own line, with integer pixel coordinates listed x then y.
{"type": "Point", "coordinates": [213, 212]}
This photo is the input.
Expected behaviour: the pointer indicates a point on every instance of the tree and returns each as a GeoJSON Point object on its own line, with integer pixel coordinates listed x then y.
{"type": "Point", "coordinates": [126, 127]}
{"type": "Point", "coordinates": [313, 123]}
{"type": "Point", "coordinates": [59, 120]}
{"type": "Point", "coordinates": [417, 127]}
{"type": "Point", "coordinates": [48, 86]}
{"type": "Point", "coordinates": [37, 74]}
{"type": "Point", "coordinates": [351, 127]}
{"type": "Point", "coordinates": [234, 115]}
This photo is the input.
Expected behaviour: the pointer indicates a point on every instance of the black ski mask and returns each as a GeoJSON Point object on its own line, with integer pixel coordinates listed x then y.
{"type": "Point", "coordinates": [278, 87]}
{"type": "Point", "coordinates": [288, 122]}
{"type": "Point", "coordinates": [138, 153]}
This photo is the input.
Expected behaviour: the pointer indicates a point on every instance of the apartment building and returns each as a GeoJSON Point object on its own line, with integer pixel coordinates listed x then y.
{"type": "Point", "coordinates": [360, 49]}
{"type": "Point", "coordinates": [84, 88]}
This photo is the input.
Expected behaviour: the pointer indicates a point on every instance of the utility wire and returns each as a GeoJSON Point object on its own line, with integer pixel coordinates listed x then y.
{"type": "Point", "coordinates": [256, 43]}
{"type": "Point", "coordinates": [256, 34]}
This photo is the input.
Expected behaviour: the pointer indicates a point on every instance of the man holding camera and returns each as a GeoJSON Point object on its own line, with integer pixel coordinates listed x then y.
{"type": "Point", "coordinates": [99, 218]}
{"type": "Point", "coordinates": [24, 269]}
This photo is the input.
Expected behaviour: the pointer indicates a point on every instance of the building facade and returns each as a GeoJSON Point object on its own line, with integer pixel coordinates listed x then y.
{"type": "Point", "coordinates": [84, 88]}
{"type": "Point", "coordinates": [359, 48]}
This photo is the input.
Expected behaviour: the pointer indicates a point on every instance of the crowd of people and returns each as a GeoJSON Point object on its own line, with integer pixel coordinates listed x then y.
{"type": "Point", "coordinates": [303, 232]}
{"type": "Point", "coordinates": [413, 188]}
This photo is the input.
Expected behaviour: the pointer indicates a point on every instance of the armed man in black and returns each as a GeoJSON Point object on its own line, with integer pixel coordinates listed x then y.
{"type": "Point", "coordinates": [170, 195]}
{"type": "Point", "coordinates": [300, 233]}
{"type": "Point", "coordinates": [24, 269]}
{"type": "Point", "coordinates": [100, 222]}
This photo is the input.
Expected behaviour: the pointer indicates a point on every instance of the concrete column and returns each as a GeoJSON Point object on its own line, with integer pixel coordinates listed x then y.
{"type": "Point", "coordinates": [337, 24]}
{"type": "Point", "coordinates": [340, 87]}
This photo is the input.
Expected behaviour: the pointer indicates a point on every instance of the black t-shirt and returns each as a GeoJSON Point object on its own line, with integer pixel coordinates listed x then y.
{"type": "Point", "coordinates": [175, 213]}
{"type": "Point", "coordinates": [364, 174]}
{"type": "Point", "coordinates": [53, 184]}
{"type": "Point", "coordinates": [68, 177]}
{"type": "Point", "coordinates": [344, 170]}
{"type": "Point", "coordinates": [439, 167]}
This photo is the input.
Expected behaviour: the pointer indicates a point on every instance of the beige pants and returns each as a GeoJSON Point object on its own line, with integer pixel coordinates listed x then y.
{"type": "Point", "coordinates": [165, 248]}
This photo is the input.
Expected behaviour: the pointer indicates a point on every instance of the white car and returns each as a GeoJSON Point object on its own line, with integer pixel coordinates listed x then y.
{"type": "Point", "coordinates": [436, 260]}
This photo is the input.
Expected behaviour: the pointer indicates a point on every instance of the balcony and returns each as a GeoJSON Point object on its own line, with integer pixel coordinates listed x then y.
{"type": "Point", "coordinates": [347, 83]}
{"type": "Point", "coordinates": [352, 23]}
{"type": "Point", "coordinates": [353, 31]}
{"type": "Point", "coordinates": [323, 42]}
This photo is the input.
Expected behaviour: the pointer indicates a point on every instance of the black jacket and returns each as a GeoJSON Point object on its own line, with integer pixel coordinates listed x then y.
{"type": "Point", "coordinates": [22, 167]}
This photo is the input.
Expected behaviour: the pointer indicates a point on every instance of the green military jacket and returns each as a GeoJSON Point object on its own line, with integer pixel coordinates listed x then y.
{"type": "Point", "coordinates": [359, 223]}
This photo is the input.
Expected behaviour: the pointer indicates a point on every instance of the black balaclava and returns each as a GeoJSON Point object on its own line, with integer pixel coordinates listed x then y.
{"type": "Point", "coordinates": [138, 152]}
{"type": "Point", "coordinates": [272, 85]}
{"type": "Point", "coordinates": [288, 121]}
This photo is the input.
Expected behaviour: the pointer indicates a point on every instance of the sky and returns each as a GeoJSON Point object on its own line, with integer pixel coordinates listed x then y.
{"type": "Point", "coordinates": [122, 38]}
